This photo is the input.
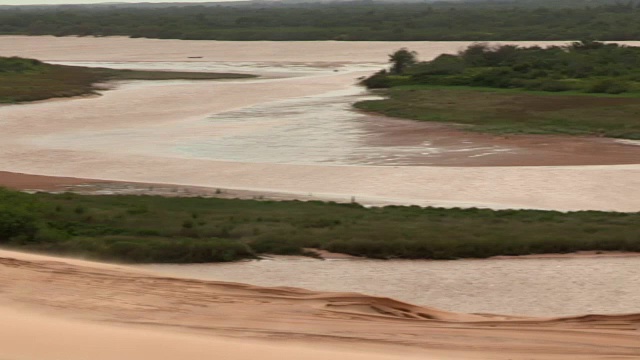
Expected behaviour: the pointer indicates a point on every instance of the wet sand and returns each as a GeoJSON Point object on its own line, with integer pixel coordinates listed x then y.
{"type": "Point", "coordinates": [44, 183]}
{"type": "Point", "coordinates": [99, 304]}
{"type": "Point", "coordinates": [171, 133]}
{"type": "Point", "coordinates": [452, 146]}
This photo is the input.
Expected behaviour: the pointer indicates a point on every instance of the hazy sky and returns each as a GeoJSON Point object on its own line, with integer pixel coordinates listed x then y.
{"type": "Point", "coordinates": [33, 2]}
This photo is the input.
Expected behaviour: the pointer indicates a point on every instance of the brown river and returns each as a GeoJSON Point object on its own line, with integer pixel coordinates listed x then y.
{"type": "Point", "coordinates": [293, 131]}
{"type": "Point", "coordinates": [534, 286]}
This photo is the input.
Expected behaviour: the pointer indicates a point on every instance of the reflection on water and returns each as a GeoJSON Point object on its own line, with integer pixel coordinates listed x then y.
{"type": "Point", "coordinates": [537, 287]}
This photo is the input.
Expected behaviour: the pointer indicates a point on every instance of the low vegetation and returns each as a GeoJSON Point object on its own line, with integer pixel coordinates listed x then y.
{"type": "Point", "coordinates": [185, 230]}
{"type": "Point", "coordinates": [513, 112]}
{"type": "Point", "coordinates": [587, 88]}
{"type": "Point", "coordinates": [23, 80]}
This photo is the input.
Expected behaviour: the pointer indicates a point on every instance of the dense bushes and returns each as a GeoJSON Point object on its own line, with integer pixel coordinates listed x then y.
{"type": "Point", "coordinates": [17, 216]}
{"type": "Point", "coordinates": [587, 66]}
{"type": "Point", "coordinates": [185, 230]}
{"type": "Point", "coordinates": [19, 65]}
{"type": "Point", "coordinates": [510, 89]}
{"type": "Point", "coordinates": [379, 80]}
{"type": "Point", "coordinates": [506, 111]}
{"type": "Point", "coordinates": [353, 20]}
{"type": "Point", "coordinates": [608, 86]}
{"type": "Point", "coordinates": [14, 223]}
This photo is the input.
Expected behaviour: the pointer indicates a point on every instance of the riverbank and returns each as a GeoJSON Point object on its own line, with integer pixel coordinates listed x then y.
{"type": "Point", "coordinates": [137, 301]}
{"type": "Point", "coordinates": [28, 80]}
{"type": "Point", "coordinates": [584, 88]}
{"type": "Point", "coordinates": [513, 112]}
{"type": "Point", "coordinates": [148, 229]}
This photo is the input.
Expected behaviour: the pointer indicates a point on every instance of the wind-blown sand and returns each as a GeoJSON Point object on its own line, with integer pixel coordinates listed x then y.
{"type": "Point", "coordinates": [28, 336]}
{"type": "Point", "coordinates": [124, 134]}
{"type": "Point", "coordinates": [57, 308]}
{"type": "Point", "coordinates": [536, 285]}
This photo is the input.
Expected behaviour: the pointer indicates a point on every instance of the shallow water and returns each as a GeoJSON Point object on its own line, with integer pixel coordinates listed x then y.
{"type": "Point", "coordinates": [318, 129]}
{"type": "Point", "coordinates": [285, 132]}
{"type": "Point", "coordinates": [536, 287]}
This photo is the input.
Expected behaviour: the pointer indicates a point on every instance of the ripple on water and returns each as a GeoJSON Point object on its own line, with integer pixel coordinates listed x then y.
{"type": "Point", "coordinates": [536, 287]}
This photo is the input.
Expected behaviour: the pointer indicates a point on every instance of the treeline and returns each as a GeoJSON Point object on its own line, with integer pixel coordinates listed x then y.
{"type": "Point", "coordinates": [475, 21]}
{"type": "Point", "coordinates": [587, 66]}
{"type": "Point", "coordinates": [186, 230]}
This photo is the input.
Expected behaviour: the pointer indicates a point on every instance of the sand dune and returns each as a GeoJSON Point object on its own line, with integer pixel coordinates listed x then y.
{"type": "Point", "coordinates": [99, 300]}
{"type": "Point", "coordinates": [29, 336]}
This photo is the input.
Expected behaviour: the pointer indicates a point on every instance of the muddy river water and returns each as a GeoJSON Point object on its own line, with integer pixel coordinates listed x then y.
{"type": "Point", "coordinates": [293, 131]}
{"type": "Point", "coordinates": [535, 287]}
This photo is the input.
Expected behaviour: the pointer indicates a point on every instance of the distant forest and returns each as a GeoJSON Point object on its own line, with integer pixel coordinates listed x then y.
{"type": "Point", "coordinates": [351, 21]}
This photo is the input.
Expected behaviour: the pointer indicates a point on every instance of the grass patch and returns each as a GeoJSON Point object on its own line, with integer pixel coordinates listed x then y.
{"type": "Point", "coordinates": [24, 80]}
{"type": "Point", "coordinates": [585, 88]}
{"type": "Point", "coordinates": [514, 111]}
{"type": "Point", "coordinates": [185, 230]}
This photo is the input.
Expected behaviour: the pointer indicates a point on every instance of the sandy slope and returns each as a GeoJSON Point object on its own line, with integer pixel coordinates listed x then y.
{"type": "Point", "coordinates": [145, 311]}
{"type": "Point", "coordinates": [29, 336]}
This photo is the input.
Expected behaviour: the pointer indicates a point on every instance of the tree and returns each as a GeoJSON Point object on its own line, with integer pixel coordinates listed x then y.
{"type": "Point", "coordinates": [402, 59]}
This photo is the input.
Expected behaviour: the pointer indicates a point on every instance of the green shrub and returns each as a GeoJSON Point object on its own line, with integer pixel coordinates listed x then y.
{"type": "Point", "coordinates": [554, 86]}
{"type": "Point", "coordinates": [30, 222]}
{"type": "Point", "coordinates": [16, 222]}
{"type": "Point", "coordinates": [379, 80]}
{"type": "Point", "coordinates": [608, 86]}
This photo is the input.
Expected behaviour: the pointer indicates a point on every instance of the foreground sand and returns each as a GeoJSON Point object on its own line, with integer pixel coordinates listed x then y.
{"type": "Point", "coordinates": [57, 308]}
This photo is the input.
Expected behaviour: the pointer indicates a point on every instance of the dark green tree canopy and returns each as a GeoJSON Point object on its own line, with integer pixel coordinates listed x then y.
{"type": "Point", "coordinates": [351, 20]}
{"type": "Point", "coordinates": [585, 66]}
{"type": "Point", "coordinates": [402, 59]}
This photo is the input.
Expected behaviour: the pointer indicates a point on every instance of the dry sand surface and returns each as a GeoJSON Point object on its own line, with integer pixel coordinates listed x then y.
{"type": "Point", "coordinates": [127, 134]}
{"type": "Point", "coordinates": [28, 336]}
{"type": "Point", "coordinates": [54, 308]}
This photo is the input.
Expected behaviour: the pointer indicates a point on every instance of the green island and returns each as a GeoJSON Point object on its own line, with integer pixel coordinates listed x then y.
{"type": "Point", "coordinates": [23, 80]}
{"type": "Point", "coordinates": [585, 88]}
{"type": "Point", "coordinates": [143, 229]}
{"type": "Point", "coordinates": [345, 21]}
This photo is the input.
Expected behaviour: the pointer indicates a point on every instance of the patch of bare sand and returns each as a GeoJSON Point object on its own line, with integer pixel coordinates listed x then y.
{"type": "Point", "coordinates": [19, 181]}
{"type": "Point", "coordinates": [454, 146]}
{"type": "Point", "coordinates": [145, 312]}
{"type": "Point", "coordinates": [33, 336]}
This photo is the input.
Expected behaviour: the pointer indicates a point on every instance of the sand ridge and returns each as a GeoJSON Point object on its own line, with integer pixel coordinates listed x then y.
{"type": "Point", "coordinates": [99, 293]}
{"type": "Point", "coordinates": [37, 336]}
